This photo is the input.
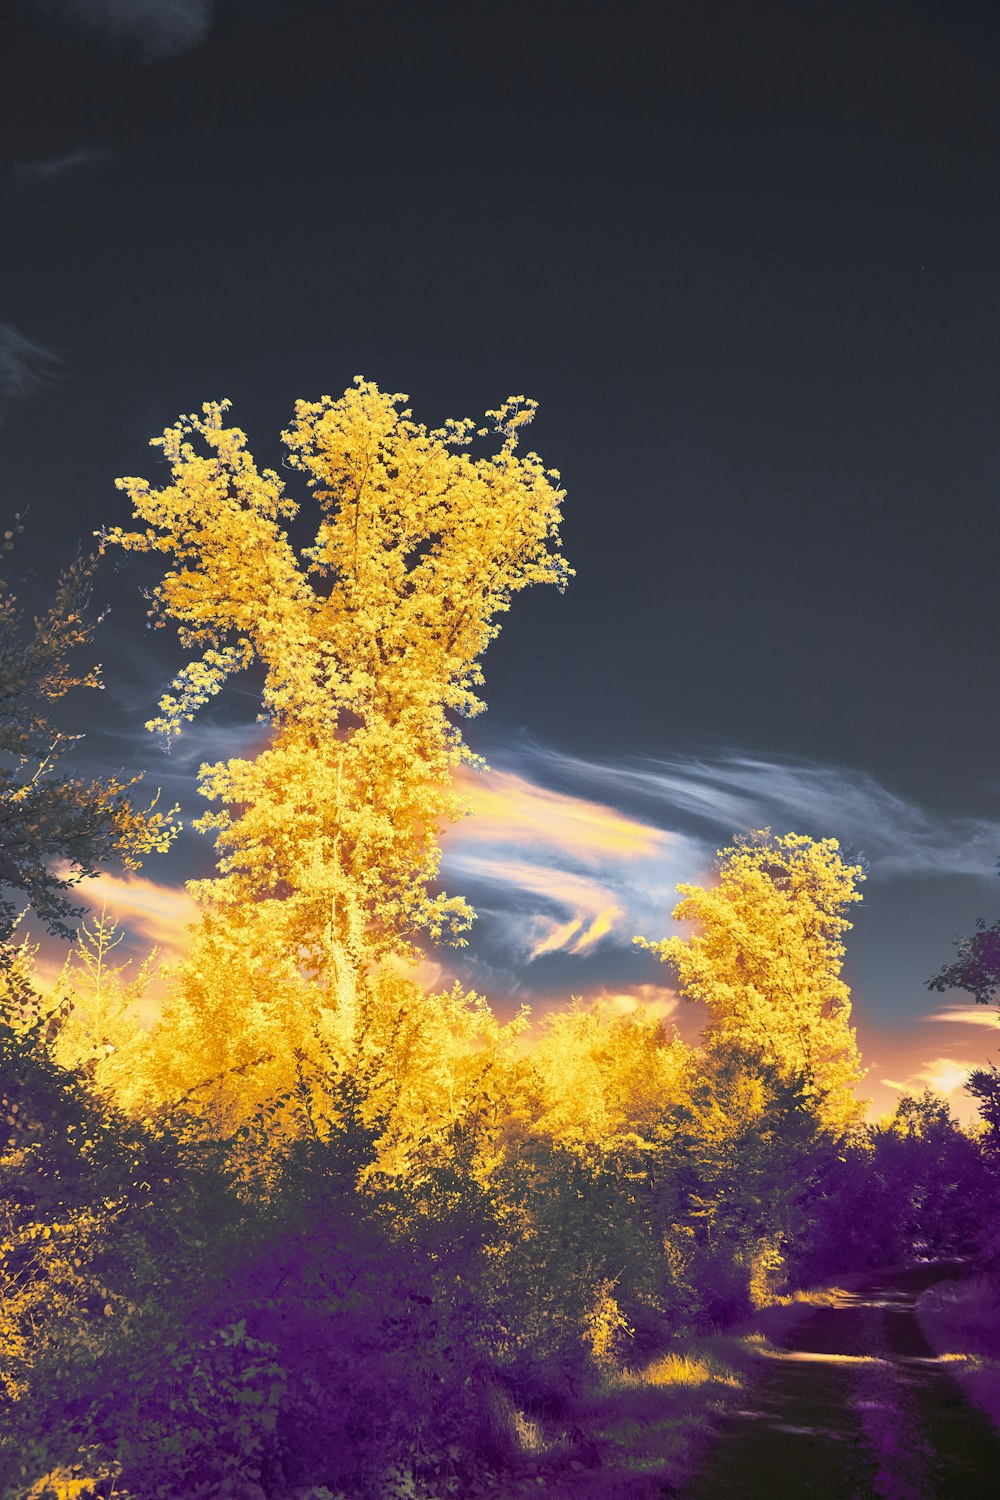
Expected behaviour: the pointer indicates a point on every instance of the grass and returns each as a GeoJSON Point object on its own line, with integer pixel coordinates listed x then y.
{"type": "Point", "coordinates": [961, 1322]}
{"type": "Point", "coordinates": [642, 1430]}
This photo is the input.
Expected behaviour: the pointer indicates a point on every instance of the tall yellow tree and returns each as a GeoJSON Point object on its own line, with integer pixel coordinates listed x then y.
{"type": "Point", "coordinates": [766, 961]}
{"type": "Point", "coordinates": [369, 637]}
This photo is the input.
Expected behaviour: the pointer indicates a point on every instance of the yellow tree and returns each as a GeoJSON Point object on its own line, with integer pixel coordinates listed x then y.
{"type": "Point", "coordinates": [369, 638]}
{"type": "Point", "coordinates": [766, 961]}
{"type": "Point", "coordinates": [101, 1029]}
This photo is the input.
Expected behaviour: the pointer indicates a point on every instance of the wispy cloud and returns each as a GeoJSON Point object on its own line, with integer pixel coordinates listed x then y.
{"type": "Point", "coordinates": [593, 911]}
{"type": "Point", "coordinates": [571, 857]}
{"type": "Point", "coordinates": [942, 1075]}
{"type": "Point", "coordinates": [48, 168]}
{"type": "Point", "coordinates": [967, 1015]}
{"type": "Point", "coordinates": [717, 795]}
{"type": "Point", "coordinates": [204, 741]}
{"type": "Point", "coordinates": [158, 913]}
{"type": "Point", "coordinates": [24, 366]}
{"type": "Point", "coordinates": [509, 808]}
{"type": "Point", "coordinates": [654, 1001]}
{"type": "Point", "coordinates": [563, 873]}
{"type": "Point", "coordinates": [149, 30]}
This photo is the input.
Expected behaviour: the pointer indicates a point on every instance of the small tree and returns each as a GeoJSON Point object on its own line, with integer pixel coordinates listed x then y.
{"type": "Point", "coordinates": [102, 1033]}
{"type": "Point", "coordinates": [56, 829]}
{"type": "Point", "coordinates": [984, 1086]}
{"type": "Point", "coordinates": [766, 963]}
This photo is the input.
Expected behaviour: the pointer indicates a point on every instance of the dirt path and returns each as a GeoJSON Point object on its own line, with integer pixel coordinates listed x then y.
{"type": "Point", "coordinates": [854, 1406]}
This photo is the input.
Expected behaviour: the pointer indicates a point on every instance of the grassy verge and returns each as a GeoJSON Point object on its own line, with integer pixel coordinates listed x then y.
{"type": "Point", "coordinates": [961, 1322]}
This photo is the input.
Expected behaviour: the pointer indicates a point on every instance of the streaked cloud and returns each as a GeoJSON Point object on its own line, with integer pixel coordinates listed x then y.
{"type": "Point", "coordinates": [942, 1075]}
{"type": "Point", "coordinates": [716, 795]}
{"type": "Point", "coordinates": [509, 808]}
{"type": "Point", "coordinates": [569, 857]}
{"type": "Point", "coordinates": [653, 1000]}
{"type": "Point", "coordinates": [150, 30]}
{"type": "Point", "coordinates": [48, 168]}
{"type": "Point", "coordinates": [25, 365]}
{"type": "Point", "coordinates": [563, 873]}
{"type": "Point", "coordinates": [967, 1015]}
{"type": "Point", "coordinates": [158, 913]}
{"type": "Point", "coordinates": [205, 742]}
{"type": "Point", "coordinates": [202, 742]}
{"type": "Point", "coordinates": [572, 911]}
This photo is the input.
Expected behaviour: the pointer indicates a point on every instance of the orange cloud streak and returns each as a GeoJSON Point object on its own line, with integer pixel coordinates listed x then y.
{"type": "Point", "coordinates": [966, 1015]}
{"type": "Point", "coordinates": [158, 913]}
{"type": "Point", "coordinates": [508, 809]}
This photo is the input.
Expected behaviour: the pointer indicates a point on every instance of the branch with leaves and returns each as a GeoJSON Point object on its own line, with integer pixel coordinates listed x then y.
{"type": "Point", "coordinates": [57, 828]}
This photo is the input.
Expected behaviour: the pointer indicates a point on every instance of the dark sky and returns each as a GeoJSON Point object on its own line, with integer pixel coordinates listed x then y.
{"type": "Point", "coordinates": [744, 256]}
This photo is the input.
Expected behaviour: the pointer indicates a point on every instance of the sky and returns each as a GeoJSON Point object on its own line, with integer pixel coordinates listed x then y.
{"type": "Point", "coordinates": [744, 257]}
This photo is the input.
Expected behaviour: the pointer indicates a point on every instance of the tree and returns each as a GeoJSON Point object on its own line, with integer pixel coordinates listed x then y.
{"type": "Point", "coordinates": [984, 1086]}
{"type": "Point", "coordinates": [56, 829]}
{"type": "Point", "coordinates": [102, 1033]}
{"type": "Point", "coordinates": [977, 967]}
{"type": "Point", "coordinates": [935, 1184]}
{"type": "Point", "coordinates": [369, 639]}
{"type": "Point", "coordinates": [767, 959]}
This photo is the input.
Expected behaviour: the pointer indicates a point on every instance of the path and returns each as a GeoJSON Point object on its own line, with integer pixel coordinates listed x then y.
{"type": "Point", "coordinates": [854, 1406]}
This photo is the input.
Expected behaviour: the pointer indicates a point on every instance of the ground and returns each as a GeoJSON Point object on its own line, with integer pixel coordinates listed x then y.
{"type": "Point", "coordinates": [852, 1404]}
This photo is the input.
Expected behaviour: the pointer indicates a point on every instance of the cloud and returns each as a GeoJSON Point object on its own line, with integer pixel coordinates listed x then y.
{"type": "Point", "coordinates": [47, 168]}
{"type": "Point", "coordinates": [176, 763]}
{"type": "Point", "coordinates": [24, 365]}
{"type": "Point", "coordinates": [149, 30]}
{"type": "Point", "coordinates": [588, 910]}
{"type": "Point", "coordinates": [567, 858]}
{"type": "Point", "coordinates": [203, 742]}
{"type": "Point", "coordinates": [564, 873]}
{"type": "Point", "coordinates": [158, 913]}
{"type": "Point", "coordinates": [654, 1001]}
{"type": "Point", "coordinates": [966, 1015]}
{"type": "Point", "coordinates": [942, 1075]}
{"type": "Point", "coordinates": [509, 808]}
{"type": "Point", "coordinates": [717, 795]}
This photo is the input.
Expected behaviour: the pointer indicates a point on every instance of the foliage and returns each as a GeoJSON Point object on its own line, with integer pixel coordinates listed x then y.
{"type": "Point", "coordinates": [102, 1031]}
{"type": "Point", "coordinates": [368, 637]}
{"type": "Point", "coordinates": [984, 1085]}
{"type": "Point", "coordinates": [977, 967]}
{"type": "Point", "coordinates": [766, 962]}
{"type": "Point", "coordinates": [57, 829]}
{"type": "Point", "coordinates": [318, 1232]}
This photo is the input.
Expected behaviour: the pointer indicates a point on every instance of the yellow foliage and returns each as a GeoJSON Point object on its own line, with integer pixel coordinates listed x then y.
{"type": "Point", "coordinates": [766, 963]}
{"type": "Point", "coordinates": [605, 1325]}
{"type": "Point", "coordinates": [607, 1080]}
{"type": "Point", "coordinates": [369, 638]}
{"type": "Point", "coordinates": [101, 1032]}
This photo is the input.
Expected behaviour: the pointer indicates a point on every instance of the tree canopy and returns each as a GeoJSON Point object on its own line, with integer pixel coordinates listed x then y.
{"type": "Point", "coordinates": [766, 960]}
{"type": "Point", "coordinates": [369, 635]}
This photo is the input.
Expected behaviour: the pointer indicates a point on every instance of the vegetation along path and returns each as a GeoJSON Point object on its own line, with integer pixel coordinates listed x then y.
{"type": "Point", "coordinates": [853, 1404]}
